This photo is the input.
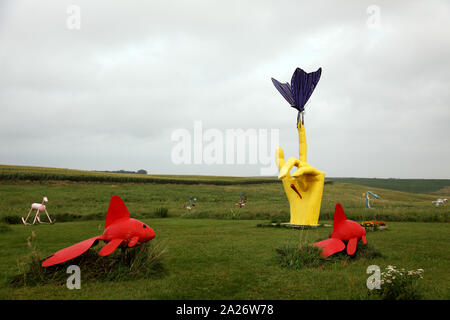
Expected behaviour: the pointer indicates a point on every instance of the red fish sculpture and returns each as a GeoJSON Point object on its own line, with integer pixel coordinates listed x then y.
{"type": "Point", "coordinates": [120, 229]}
{"type": "Point", "coordinates": [344, 231]}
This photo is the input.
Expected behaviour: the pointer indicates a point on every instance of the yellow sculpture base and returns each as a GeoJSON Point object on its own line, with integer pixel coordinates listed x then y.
{"type": "Point", "coordinates": [299, 226]}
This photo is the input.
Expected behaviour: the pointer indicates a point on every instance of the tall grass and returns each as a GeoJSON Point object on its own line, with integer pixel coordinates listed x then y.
{"type": "Point", "coordinates": [161, 212]}
{"type": "Point", "coordinates": [140, 262]}
{"type": "Point", "coordinates": [306, 255]}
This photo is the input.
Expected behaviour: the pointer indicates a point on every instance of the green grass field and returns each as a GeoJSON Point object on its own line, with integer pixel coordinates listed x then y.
{"type": "Point", "coordinates": [217, 251]}
{"type": "Point", "coordinates": [226, 259]}
{"type": "Point", "coordinates": [265, 201]}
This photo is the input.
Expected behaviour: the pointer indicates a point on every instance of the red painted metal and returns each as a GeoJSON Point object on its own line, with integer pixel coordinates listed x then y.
{"type": "Point", "coordinates": [120, 230]}
{"type": "Point", "coordinates": [345, 232]}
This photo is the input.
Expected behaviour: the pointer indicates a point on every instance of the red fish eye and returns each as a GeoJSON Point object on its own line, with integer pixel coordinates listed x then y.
{"type": "Point", "coordinates": [144, 226]}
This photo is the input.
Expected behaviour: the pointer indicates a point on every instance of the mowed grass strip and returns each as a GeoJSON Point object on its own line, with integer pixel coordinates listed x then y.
{"type": "Point", "coordinates": [233, 259]}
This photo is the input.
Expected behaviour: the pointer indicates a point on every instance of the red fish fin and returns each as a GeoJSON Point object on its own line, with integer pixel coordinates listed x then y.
{"type": "Point", "coordinates": [69, 253]}
{"type": "Point", "coordinates": [133, 242]}
{"type": "Point", "coordinates": [330, 246]}
{"type": "Point", "coordinates": [116, 211]}
{"type": "Point", "coordinates": [351, 246]}
{"type": "Point", "coordinates": [339, 214]}
{"type": "Point", "coordinates": [110, 247]}
{"type": "Point", "coordinates": [364, 239]}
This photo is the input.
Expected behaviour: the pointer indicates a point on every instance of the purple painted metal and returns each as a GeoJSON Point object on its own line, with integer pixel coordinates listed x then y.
{"type": "Point", "coordinates": [301, 88]}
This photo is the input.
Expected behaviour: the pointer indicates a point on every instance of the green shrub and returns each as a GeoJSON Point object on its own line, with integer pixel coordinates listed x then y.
{"type": "Point", "coordinates": [298, 257]}
{"type": "Point", "coordinates": [161, 212]}
{"type": "Point", "coordinates": [307, 255]}
{"type": "Point", "coordinates": [11, 219]}
{"type": "Point", "coordinates": [234, 214]}
{"type": "Point", "coordinates": [365, 251]}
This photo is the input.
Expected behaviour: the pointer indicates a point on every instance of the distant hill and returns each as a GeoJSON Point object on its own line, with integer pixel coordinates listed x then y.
{"type": "Point", "coordinates": [405, 185]}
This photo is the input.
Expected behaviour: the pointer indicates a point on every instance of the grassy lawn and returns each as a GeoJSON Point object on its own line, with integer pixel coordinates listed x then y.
{"type": "Point", "coordinates": [230, 259]}
{"type": "Point", "coordinates": [217, 251]}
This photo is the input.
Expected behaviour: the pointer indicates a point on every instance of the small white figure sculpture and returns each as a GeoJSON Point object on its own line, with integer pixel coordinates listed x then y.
{"type": "Point", "coordinates": [438, 202]}
{"type": "Point", "coordinates": [38, 207]}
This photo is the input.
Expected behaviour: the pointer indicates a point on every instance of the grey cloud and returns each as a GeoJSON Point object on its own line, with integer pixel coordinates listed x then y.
{"type": "Point", "coordinates": [109, 95]}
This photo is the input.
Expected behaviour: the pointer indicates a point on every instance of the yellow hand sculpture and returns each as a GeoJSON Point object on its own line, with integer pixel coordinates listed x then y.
{"type": "Point", "coordinates": [304, 188]}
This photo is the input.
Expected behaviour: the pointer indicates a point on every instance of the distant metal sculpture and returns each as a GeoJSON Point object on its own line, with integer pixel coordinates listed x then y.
{"type": "Point", "coordinates": [368, 199]}
{"type": "Point", "coordinates": [39, 207]}
{"type": "Point", "coordinates": [242, 200]}
{"type": "Point", "coordinates": [345, 232]}
{"type": "Point", "coordinates": [120, 230]}
{"type": "Point", "coordinates": [304, 188]}
{"type": "Point", "coordinates": [439, 202]}
{"type": "Point", "coordinates": [189, 204]}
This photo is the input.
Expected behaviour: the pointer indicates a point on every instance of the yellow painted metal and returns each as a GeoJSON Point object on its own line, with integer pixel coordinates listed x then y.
{"type": "Point", "coordinates": [304, 188]}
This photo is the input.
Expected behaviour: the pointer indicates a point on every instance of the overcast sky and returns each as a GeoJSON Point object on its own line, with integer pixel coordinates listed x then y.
{"type": "Point", "coordinates": [109, 95]}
